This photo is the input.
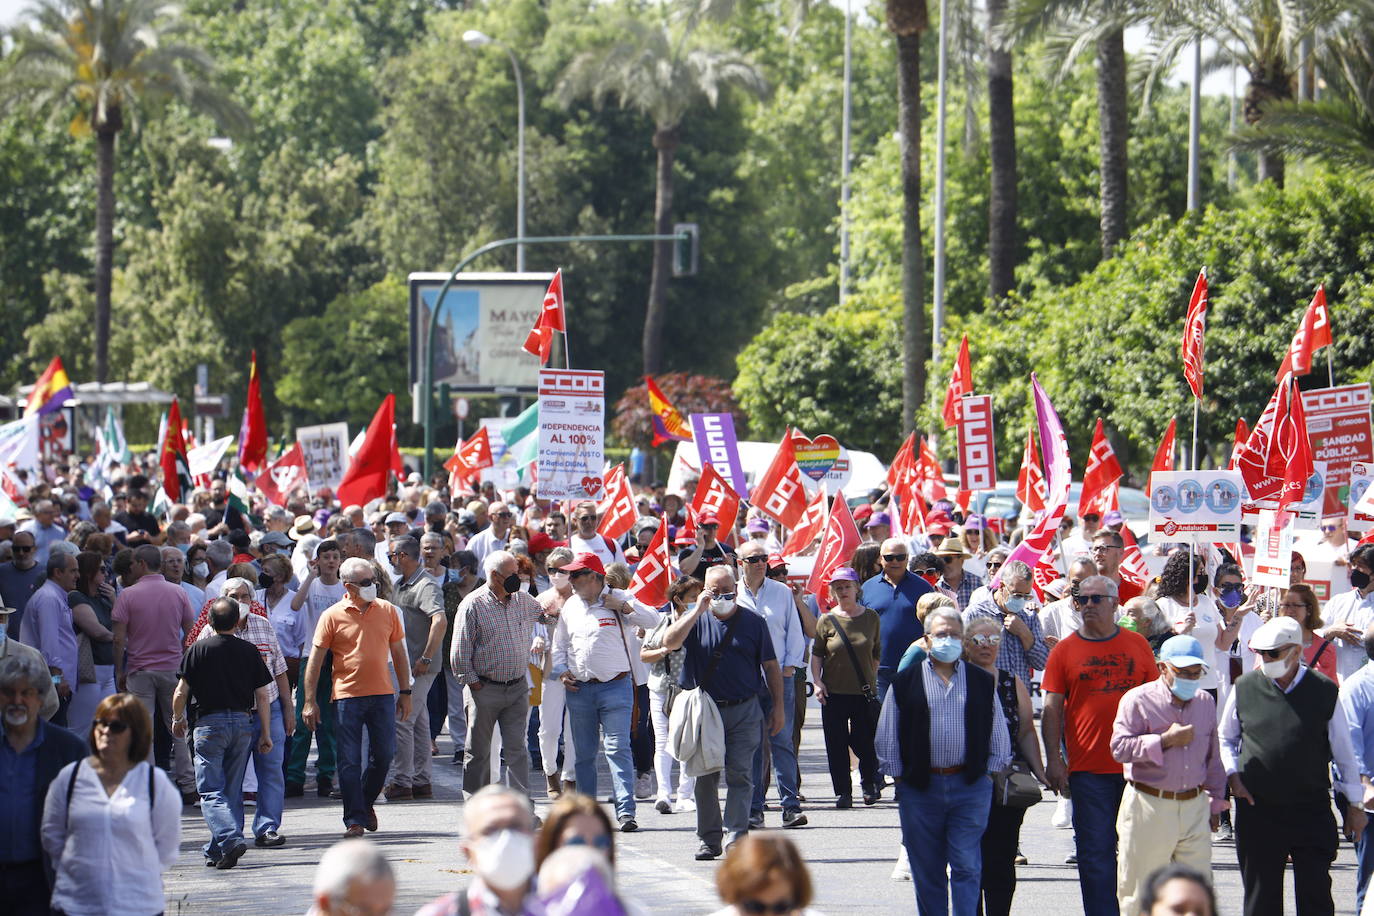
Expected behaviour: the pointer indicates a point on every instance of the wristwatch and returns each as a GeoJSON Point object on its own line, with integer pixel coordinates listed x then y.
{"type": "Point", "coordinates": [427, 661]}
{"type": "Point", "coordinates": [406, 692]}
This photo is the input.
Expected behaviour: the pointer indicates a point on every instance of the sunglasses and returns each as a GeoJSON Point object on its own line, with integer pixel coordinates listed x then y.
{"type": "Point", "coordinates": [1094, 600]}
{"type": "Point", "coordinates": [20, 549]}
{"type": "Point", "coordinates": [781, 907]}
{"type": "Point", "coordinates": [928, 571]}
{"type": "Point", "coordinates": [364, 583]}
{"type": "Point", "coordinates": [1272, 654]}
{"type": "Point", "coordinates": [753, 560]}
{"type": "Point", "coordinates": [986, 639]}
{"type": "Point", "coordinates": [113, 726]}
{"type": "Point", "coordinates": [724, 596]}
{"type": "Point", "coordinates": [894, 558]}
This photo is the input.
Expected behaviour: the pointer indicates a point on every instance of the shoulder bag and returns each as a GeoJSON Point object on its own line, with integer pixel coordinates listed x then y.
{"type": "Point", "coordinates": [1015, 787]}
{"type": "Point", "coordinates": [870, 691]}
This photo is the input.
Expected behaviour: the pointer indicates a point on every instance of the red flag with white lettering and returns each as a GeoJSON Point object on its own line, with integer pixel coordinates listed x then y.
{"type": "Point", "coordinates": [904, 460]}
{"type": "Point", "coordinates": [840, 541]}
{"type": "Point", "coordinates": [1030, 482]}
{"type": "Point", "coordinates": [1102, 472]}
{"type": "Point", "coordinates": [617, 506]}
{"type": "Point", "coordinates": [810, 527]}
{"type": "Point", "coordinates": [1276, 460]}
{"type": "Point", "coordinates": [1133, 569]}
{"type": "Point", "coordinates": [715, 496]}
{"type": "Point", "coordinates": [1164, 455]}
{"type": "Point", "coordinates": [654, 573]}
{"type": "Point", "coordinates": [931, 481]}
{"type": "Point", "coordinates": [1194, 326]}
{"type": "Point", "coordinates": [960, 384]}
{"type": "Point", "coordinates": [1314, 332]}
{"type": "Point", "coordinates": [539, 342]}
{"type": "Point", "coordinates": [283, 475]}
{"type": "Point", "coordinates": [780, 493]}
{"type": "Point", "coordinates": [1242, 436]}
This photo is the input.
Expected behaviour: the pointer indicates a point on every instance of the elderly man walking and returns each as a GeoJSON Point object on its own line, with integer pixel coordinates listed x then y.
{"type": "Point", "coordinates": [491, 650]}
{"type": "Point", "coordinates": [1087, 673]}
{"type": "Point", "coordinates": [364, 634]}
{"type": "Point", "coordinates": [594, 658]}
{"type": "Point", "coordinates": [774, 602]}
{"type": "Point", "coordinates": [730, 656]}
{"type": "Point", "coordinates": [941, 734]}
{"type": "Point", "coordinates": [422, 609]}
{"type": "Point", "coordinates": [47, 626]}
{"type": "Point", "coordinates": [1165, 737]}
{"type": "Point", "coordinates": [1023, 645]}
{"type": "Point", "coordinates": [1281, 729]}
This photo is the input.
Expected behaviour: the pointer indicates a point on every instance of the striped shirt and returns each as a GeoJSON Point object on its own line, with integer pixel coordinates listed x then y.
{"type": "Point", "coordinates": [493, 636]}
{"type": "Point", "coordinates": [946, 702]}
{"type": "Point", "coordinates": [260, 633]}
{"type": "Point", "coordinates": [1011, 654]}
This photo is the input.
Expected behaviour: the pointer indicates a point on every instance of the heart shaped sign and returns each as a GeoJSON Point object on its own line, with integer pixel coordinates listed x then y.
{"type": "Point", "coordinates": [591, 485]}
{"type": "Point", "coordinates": [815, 457]}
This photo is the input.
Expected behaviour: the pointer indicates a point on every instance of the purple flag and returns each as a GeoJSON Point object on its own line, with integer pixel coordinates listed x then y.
{"type": "Point", "coordinates": [1058, 477]}
{"type": "Point", "coordinates": [717, 446]}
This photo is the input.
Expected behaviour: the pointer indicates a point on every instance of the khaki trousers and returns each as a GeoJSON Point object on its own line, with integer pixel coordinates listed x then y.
{"type": "Point", "coordinates": [1152, 832]}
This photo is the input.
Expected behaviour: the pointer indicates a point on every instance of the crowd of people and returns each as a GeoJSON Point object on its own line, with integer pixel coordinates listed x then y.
{"type": "Point", "coordinates": [197, 658]}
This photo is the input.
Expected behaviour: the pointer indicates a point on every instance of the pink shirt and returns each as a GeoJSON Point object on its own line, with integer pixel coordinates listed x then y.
{"type": "Point", "coordinates": [1142, 717]}
{"type": "Point", "coordinates": [157, 614]}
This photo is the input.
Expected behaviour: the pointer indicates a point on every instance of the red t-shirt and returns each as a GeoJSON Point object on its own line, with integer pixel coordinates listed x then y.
{"type": "Point", "coordinates": [1092, 675]}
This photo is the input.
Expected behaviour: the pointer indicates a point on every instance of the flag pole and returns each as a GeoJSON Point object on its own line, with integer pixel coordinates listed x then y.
{"type": "Point", "coordinates": [1330, 372]}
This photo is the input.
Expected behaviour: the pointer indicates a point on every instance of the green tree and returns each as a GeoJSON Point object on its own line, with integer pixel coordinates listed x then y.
{"type": "Point", "coordinates": [660, 69]}
{"type": "Point", "coordinates": [105, 60]}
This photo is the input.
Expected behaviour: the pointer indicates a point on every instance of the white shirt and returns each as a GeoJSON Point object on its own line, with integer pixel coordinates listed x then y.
{"type": "Point", "coordinates": [289, 625]}
{"type": "Point", "coordinates": [1337, 733]}
{"type": "Point", "coordinates": [216, 584]}
{"type": "Point", "coordinates": [1349, 607]}
{"type": "Point", "coordinates": [318, 599]}
{"type": "Point", "coordinates": [773, 602]}
{"type": "Point", "coordinates": [118, 846]}
{"type": "Point", "coordinates": [596, 643]}
{"type": "Point", "coordinates": [486, 541]}
{"type": "Point", "coordinates": [1060, 618]}
{"type": "Point", "coordinates": [597, 545]}
{"type": "Point", "coordinates": [1074, 546]}
{"type": "Point", "coordinates": [1208, 626]}
{"type": "Point", "coordinates": [197, 596]}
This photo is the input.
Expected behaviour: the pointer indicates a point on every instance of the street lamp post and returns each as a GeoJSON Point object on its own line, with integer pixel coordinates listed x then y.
{"type": "Point", "coordinates": [477, 39]}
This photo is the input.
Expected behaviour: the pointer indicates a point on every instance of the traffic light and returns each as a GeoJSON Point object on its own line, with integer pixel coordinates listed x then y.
{"type": "Point", "coordinates": [685, 248]}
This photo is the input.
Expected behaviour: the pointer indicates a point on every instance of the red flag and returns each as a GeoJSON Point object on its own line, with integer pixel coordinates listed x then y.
{"type": "Point", "coordinates": [283, 475]}
{"type": "Point", "coordinates": [932, 480]}
{"type": "Point", "coordinates": [176, 470]}
{"type": "Point", "coordinates": [1030, 482]}
{"type": "Point", "coordinates": [253, 430]}
{"type": "Point", "coordinates": [1194, 326]}
{"type": "Point", "coordinates": [1133, 568]}
{"type": "Point", "coordinates": [902, 462]}
{"type": "Point", "coordinates": [960, 384]}
{"type": "Point", "coordinates": [1043, 574]}
{"type": "Point", "coordinates": [1276, 460]}
{"type": "Point", "coordinates": [366, 477]}
{"type": "Point", "coordinates": [1367, 539]}
{"type": "Point", "coordinates": [780, 493]}
{"type": "Point", "coordinates": [1242, 436]}
{"type": "Point", "coordinates": [1314, 332]}
{"type": "Point", "coordinates": [476, 451]}
{"type": "Point", "coordinates": [841, 540]}
{"type": "Point", "coordinates": [1164, 455]}
{"type": "Point", "coordinates": [1102, 472]}
{"type": "Point", "coordinates": [902, 481]}
{"type": "Point", "coordinates": [539, 341]}
{"type": "Point", "coordinates": [810, 527]}
{"type": "Point", "coordinates": [617, 506]}
{"type": "Point", "coordinates": [654, 573]}
{"type": "Point", "coordinates": [714, 495]}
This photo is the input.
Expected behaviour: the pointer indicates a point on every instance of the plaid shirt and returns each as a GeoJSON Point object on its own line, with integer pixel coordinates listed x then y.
{"type": "Point", "coordinates": [261, 634]}
{"type": "Point", "coordinates": [493, 636]}
{"type": "Point", "coordinates": [967, 586]}
{"type": "Point", "coordinates": [1011, 654]}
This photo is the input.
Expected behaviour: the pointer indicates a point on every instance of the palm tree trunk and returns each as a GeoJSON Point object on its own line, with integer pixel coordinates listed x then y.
{"type": "Point", "coordinates": [104, 246]}
{"type": "Point", "coordinates": [1267, 85]}
{"type": "Point", "coordinates": [1114, 131]}
{"type": "Point", "coordinates": [1002, 152]}
{"type": "Point", "coordinates": [913, 254]}
{"type": "Point", "coordinates": [665, 142]}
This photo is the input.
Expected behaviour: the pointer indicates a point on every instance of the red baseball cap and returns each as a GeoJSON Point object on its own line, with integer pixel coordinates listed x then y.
{"type": "Point", "coordinates": [707, 518]}
{"type": "Point", "coordinates": [586, 561]}
{"type": "Point", "coordinates": [776, 560]}
{"type": "Point", "coordinates": [540, 542]}
{"type": "Point", "coordinates": [863, 512]}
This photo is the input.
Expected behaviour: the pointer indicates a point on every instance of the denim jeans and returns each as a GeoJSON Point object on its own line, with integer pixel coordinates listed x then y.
{"type": "Point", "coordinates": [784, 754]}
{"type": "Point", "coordinates": [942, 826]}
{"type": "Point", "coordinates": [1364, 864]}
{"type": "Point", "coordinates": [359, 787]}
{"type": "Point", "coordinates": [271, 776]}
{"type": "Point", "coordinates": [223, 741]}
{"type": "Point", "coordinates": [324, 732]}
{"type": "Point", "coordinates": [607, 707]}
{"type": "Point", "coordinates": [743, 735]}
{"type": "Point", "coordinates": [1096, 800]}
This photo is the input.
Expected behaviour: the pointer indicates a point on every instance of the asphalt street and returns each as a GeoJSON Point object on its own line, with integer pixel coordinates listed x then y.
{"type": "Point", "coordinates": [850, 854]}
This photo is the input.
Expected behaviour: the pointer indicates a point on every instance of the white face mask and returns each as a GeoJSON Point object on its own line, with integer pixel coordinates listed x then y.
{"type": "Point", "coordinates": [505, 861]}
{"type": "Point", "coordinates": [368, 593]}
{"type": "Point", "coordinates": [200, 569]}
{"type": "Point", "coordinates": [721, 606]}
{"type": "Point", "coordinates": [1275, 669]}
{"type": "Point", "coordinates": [244, 608]}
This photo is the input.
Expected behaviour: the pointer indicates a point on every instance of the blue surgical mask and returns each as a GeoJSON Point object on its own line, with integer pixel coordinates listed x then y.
{"type": "Point", "coordinates": [1185, 689]}
{"type": "Point", "coordinates": [1016, 604]}
{"type": "Point", "coordinates": [184, 548]}
{"type": "Point", "coordinates": [946, 648]}
{"type": "Point", "coordinates": [1231, 597]}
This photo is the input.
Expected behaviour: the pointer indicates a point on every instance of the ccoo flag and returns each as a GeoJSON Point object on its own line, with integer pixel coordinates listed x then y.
{"type": "Point", "coordinates": [253, 430]}
{"type": "Point", "coordinates": [960, 384]}
{"type": "Point", "coordinates": [1194, 326]}
{"type": "Point", "coordinates": [539, 342]}
{"type": "Point", "coordinates": [1313, 333]}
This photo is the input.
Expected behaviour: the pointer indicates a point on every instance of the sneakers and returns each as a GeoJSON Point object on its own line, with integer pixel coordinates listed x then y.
{"type": "Point", "coordinates": [793, 818]}
{"type": "Point", "coordinates": [644, 785]}
{"type": "Point", "coordinates": [844, 801]}
{"type": "Point", "coordinates": [1063, 815]}
{"type": "Point", "coordinates": [627, 823]}
{"type": "Point", "coordinates": [324, 787]}
{"type": "Point", "coordinates": [1224, 834]}
{"type": "Point", "coordinates": [1020, 857]}
{"type": "Point", "coordinates": [663, 806]}
{"type": "Point", "coordinates": [398, 793]}
{"type": "Point", "coordinates": [231, 858]}
{"type": "Point", "coordinates": [422, 791]}
{"type": "Point", "coordinates": [371, 823]}
{"type": "Point", "coordinates": [707, 852]}
{"type": "Point", "coordinates": [756, 821]}
{"type": "Point", "coordinates": [269, 839]}
{"type": "Point", "coordinates": [902, 870]}
{"type": "Point", "coordinates": [1071, 859]}
{"type": "Point", "coordinates": [684, 806]}
{"type": "Point", "coordinates": [250, 799]}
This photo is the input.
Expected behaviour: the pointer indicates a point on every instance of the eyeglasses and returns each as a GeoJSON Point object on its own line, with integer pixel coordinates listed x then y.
{"type": "Point", "coordinates": [1272, 654]}
{"type": "Point", "coordinates": [894, 558]}
{"type": "Point", "coordinates": [364, 583]}
{"type": "Point", "coordinates": [724, 596]}
{"type": "Point", "coordinates": [758, 559]}
{"type": "Point", "coordinates": [780, 907]}
{"type": "Point", "coordinates": [1094, 600]}
{"type": "Point", "coordinates": [1024, 596]}
{"type": "Point", "coordinates": [708, 527]}
{"type": "Point", "coordinates": [986, 639]}
{"type": "Point", "coordinates": [113, 726]}
{"type": "Point", "coordinates": [602, 842]}
{"type": "Point", "coordinates": [1103, 548]}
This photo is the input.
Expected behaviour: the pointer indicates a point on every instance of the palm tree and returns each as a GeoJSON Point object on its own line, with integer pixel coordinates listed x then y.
{"type": "Point", "coordinates": [1266, 37]}
{"type": "Point", "coordinates": [907, 19]}
{"type": "Point", "coordinates": [1075, 26]}
{"type": "Point", "coordinates": [103, 60]}
{"type": "Point", "coordinates": [661, 70]}
{"type": "Point", "coordinates": [1002, 158]}
{"type": "Point", "coordinates": [1339, 128]}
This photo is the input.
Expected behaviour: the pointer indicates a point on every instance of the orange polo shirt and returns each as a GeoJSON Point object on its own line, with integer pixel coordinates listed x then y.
{"type": "Point", "coordinates": [361, 642]}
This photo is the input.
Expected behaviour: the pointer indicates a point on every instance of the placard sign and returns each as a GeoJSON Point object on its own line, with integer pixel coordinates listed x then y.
{"type": "Point", "coordinates": [325, 449]}
{"type": "Point", "coordinates": [977, 462]}
{"type": "Point", "coordinates": [1360, 517]}
{"type": "Point", "coordinates": [1273, 560]}
{"type": "Point", "coordinates": [1308, 516]}
{"type": "Point", "coordinates": [572, 417]}
{"type": "Point", "coordinates": [714, 434]}
{"type": "Point", "coordinates": [1326, 578]}
{"type": "Point", "coordinates": [1339, 427]}
{"type": "Point", "coordinates": [1197, 507]}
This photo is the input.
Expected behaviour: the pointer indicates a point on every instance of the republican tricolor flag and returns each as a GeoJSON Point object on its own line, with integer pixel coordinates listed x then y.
{"type": "Point", "coordinates": [51, 391]}
{"type": "Point", "coordinates": [539, 342]}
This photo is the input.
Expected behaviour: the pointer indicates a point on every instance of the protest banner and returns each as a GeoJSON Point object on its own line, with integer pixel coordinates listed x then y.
{"type": "Point", "coordinates": [977, 461]}
{"type": "Point", "coordinates": [1326, 578]}
{"type": "Point", "coordinates": [325, 449]}
{"type": "Point", "coordinates": [572, 419]}
{"type": "Point", "coordinates": [714, 434]}
{"type": "Point", "coordinates": [1272, 563]}
{"type": "Point", "coordinates": [1338, 424]}
{"type": "Point", "coordinates": [1307, 513]}
{"type": "Point", "coordinates": [1196, 507]}
{"type": "Point", "coordinates": [1360, 516]}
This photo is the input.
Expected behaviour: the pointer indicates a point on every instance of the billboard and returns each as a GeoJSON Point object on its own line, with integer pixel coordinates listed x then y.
{"type": "Point", "coordinates": [1338, 425]}
{"type": "Point", "coordinates": [481, 333]}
